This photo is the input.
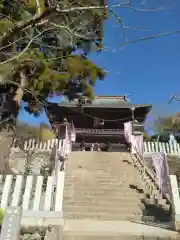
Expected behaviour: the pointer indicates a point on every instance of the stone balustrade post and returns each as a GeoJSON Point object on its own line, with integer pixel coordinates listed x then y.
{"type": "Point", "coordinates": [175, 201]}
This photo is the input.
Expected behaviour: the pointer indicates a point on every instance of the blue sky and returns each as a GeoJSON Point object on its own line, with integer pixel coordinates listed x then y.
{"type": "Point", "coordinates": [149, 70]}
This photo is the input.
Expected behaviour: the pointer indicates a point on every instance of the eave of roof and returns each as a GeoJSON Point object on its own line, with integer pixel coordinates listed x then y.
{"type": "Point", "coordinates": [121, 105]}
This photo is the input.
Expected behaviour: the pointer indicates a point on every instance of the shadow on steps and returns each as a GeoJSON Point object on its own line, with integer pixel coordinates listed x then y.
{"type": "Point", "coordinates": [153, 212]}
{"type": "Point", "coordinates": [126, 161]}
{"type": "Point", "coordinates": [139, 190]}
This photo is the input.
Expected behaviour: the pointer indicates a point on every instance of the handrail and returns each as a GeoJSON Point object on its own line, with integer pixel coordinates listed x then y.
{"type": "Point", "coordinates": [150, 173]}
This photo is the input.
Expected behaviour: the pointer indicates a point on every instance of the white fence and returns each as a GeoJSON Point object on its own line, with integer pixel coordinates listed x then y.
{"type": "Point", "coordinates": [42, 145]}
{"type": "Point", "coordinates": [151, 147]}
{"type": "Point", "coordinates": [40, 197]}
{"type": "Point", "coordinates": [35, 193]}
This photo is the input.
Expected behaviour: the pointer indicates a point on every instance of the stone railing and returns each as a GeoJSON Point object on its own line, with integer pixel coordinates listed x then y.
{"type": "Point", "coordinates": [167, 148]}
{"type": "Point", "coordinates": [147, 172]}
{"type": "Point", "coordinates": [175, 200]}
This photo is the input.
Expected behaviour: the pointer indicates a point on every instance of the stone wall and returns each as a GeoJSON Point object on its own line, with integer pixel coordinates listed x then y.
{"type": "Point", "coordinates": [6, 140]}
{"type": "Point", "coordinates": [35, 159]}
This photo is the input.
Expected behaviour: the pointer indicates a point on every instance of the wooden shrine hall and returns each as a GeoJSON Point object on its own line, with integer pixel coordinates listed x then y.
{"type": "Point", "coordinates": [102, 120]}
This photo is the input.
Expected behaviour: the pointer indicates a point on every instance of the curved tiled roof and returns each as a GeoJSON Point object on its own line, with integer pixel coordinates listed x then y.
{"type": "Point", "coordinates": [106, 102]}
{"type": "Point", "coordinates": [102, 100]}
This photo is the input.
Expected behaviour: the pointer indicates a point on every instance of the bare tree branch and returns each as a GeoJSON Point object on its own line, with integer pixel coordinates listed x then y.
{"type": "Point", "coordinates": [26, 48]}
{"type": "Point", "coordinates": [151, 37]}
{"type": "Point", "coordinates": [177, 98]}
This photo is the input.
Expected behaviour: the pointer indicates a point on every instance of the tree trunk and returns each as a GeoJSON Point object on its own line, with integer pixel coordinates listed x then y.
{"type": "Point", "coordinates": [20, 91]}
{"type": "Point", "coordinates": [7, 135]}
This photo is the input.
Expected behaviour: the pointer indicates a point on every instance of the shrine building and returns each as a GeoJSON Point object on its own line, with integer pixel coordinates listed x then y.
{"type": "Point", "coordinates": [102, 120]}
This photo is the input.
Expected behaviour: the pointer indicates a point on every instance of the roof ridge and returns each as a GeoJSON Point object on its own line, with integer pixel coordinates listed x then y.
{"type": "Point", "coordinates": [110, 97]}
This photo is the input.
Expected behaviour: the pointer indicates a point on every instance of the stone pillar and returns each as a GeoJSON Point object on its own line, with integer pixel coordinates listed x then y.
{"type": "Point", "coordinates": [11, 224]}
{"type": "Point", "coordinates": [175, 201]}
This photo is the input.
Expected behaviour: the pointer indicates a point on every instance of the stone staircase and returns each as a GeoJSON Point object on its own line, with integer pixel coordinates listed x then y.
{"type": "Point", "coordinates": [102, 186]}
{"type": "Point", "coordinates": [97, 186]}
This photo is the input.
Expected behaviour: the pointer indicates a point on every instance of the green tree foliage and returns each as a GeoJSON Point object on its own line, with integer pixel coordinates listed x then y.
{"type": "Point", "coordinates": [1, 215]}
{"type": "Point", "coordinates": [167, 124]}
{"type": "Point", "coordinates": [25, 132]}
{"type": "Point", "coordinates": [39, 41]}
{"type": "Point", "coordinates": [146, 136]}
{"type": "Point", "coordinates": [163, 126]}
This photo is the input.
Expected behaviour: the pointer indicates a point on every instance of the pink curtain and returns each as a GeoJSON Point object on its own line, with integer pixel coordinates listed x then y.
{"type": "Point", "coordinates": [137, 145]}
{"type": "Point", "coordinates": [162, 171]}
{"type": "Point", "coordinates": [128, 131]}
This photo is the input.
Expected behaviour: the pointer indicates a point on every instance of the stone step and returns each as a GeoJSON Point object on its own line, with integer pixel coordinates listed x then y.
{"type": "Point", "coordinates": [132, 185]}
{"type": "Point", "coordinates": [105, 203]}
{"type": "Point", "coordinates": [100, 166]}
{"type": "Point", "coordinates": [114, 204]}
{"type": "Point", "coordinates": [102, 175]}
{"type": "Point", "coordinates": [81, 237]}
{"type": "Point", "coordinates": [104, 186]}
{"type": "Point", "coordinates": [98, 163]}
{"type": "Point", "coordinates": [102, 216]}
{"type": "Point", "coordinates": [113, 178]}
{"type": "Point", "coordinates": [100, 197]}
{"type": "Point", "coordinates": [93, 229]}
{"type": "Point", "coordinates": [106, 230]}
{"type": "Point", "coordinates": [102, 193]}
{"type": "Point", "coordinates": [152, 201]}
{"type": "Point", "coordinates": [97, 154]}
{"type": "Point", "coordinates": [122, 191]}
{"type": "Point", "coordinates": [104, 168]}
{"type": "Point", "coordinates": [102, 189]}
{"type": "Point", "coordinates": [109, 184]}
{"type": "Point", "coordinates": [104, 197]}
{"type": "Point", "coordinates": [101, 210]}
{"type": "Point", "coordinates": [97, 210]}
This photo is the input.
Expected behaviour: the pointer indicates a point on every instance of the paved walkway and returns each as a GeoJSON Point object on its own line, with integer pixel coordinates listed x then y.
{"type": "Point", "coordinates": [110, 228]}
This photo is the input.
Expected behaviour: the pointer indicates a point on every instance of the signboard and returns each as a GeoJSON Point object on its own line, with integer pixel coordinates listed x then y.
{"type": "Point", "coordinates": [11, 224]}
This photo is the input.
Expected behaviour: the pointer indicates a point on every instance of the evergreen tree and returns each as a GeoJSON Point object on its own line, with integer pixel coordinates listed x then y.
{"type": "Point", "coordinates": [38, 51]}
{"type": "Point", "coordinates": [43, 50]}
